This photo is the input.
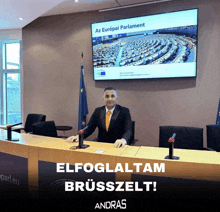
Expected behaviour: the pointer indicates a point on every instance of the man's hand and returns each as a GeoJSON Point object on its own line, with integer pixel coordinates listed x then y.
{"type": "Point", "coordinates": [120, 143]}
{"type": "Point", "coordinates": [74, 138]}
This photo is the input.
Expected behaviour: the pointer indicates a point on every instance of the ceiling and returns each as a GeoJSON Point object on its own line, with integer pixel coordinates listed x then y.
{"type": "Point", "coordinates": [29, 10]}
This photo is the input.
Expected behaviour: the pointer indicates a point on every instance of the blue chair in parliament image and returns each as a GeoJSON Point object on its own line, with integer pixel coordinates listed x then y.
{"type": "Point", "coordinates": [46, 128]}
{"type": "Point", "coordinates": [186, 137]}
{"type": "Point", "coordinates": [31, 119]}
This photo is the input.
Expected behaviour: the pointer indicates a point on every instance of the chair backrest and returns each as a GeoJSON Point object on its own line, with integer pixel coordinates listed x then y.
{"type": "Point", "coordinates": [33, 118]}
{"type": "Point", "coordinates": [133, 140]}
{"type": "Point", "coordinates": [132, 130]}
{"type": "Point", "coordinates": [213, 137]}
{"type": "Point", "coordinates": [186, 137]}
{"type": "Point", "coordinates": [46, 128]}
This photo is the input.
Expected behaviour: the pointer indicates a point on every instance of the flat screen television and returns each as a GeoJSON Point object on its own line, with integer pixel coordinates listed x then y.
{"type": "Point", "coordinates": [154, 46]}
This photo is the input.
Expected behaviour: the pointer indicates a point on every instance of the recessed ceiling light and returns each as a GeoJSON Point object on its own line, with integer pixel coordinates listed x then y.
{"type": "Point", "coordinates": [76, 0]}
{"type": "Point", "coordinates": [21, 19]}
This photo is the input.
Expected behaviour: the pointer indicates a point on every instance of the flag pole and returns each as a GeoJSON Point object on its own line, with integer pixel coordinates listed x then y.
{"type": "Point", "coordinates": [83, 107]}
{"type": "Point", "coordinates": [82, 59]}
{"type": "Point", "coordinates": [83, 74]}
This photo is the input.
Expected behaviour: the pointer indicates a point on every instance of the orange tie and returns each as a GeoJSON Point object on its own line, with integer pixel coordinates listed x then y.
{"type": "Point", "coordinates": [107, 120]}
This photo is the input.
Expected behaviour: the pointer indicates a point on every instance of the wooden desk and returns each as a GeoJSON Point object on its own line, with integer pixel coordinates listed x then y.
{"type": "Point", "coordinates": [56, 150]}
{"type": "Point", "coordinates": [193, 164]}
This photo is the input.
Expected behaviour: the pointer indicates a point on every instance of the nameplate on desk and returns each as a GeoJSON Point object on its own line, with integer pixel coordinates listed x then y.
{"type": "Point", "coordinates": [99, 151]}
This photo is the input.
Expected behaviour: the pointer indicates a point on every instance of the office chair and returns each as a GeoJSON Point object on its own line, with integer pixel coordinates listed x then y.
{"type": "Point", "coordinates": [31, 119]}
{"type": "Point", "coordinates": [213, 137]}
{"type": "Point", "coordinates": [45, 128]}
{"type": "Point", "coordinates": [186, 137]}
{"type": "Point", "coordinates": [133, 141]}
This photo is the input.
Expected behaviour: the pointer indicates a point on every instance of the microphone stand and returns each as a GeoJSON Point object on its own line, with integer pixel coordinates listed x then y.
{"type": "Point", "coordinates": [9, 132]}
{"type": "Point", "coordinates": [171, 146]}
{"type": "Point", "coordinates": [81, 137]}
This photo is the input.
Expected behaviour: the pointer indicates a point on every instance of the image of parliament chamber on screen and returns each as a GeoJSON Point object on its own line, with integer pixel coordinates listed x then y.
{"type": "Point", "coordinates": [155, 46]}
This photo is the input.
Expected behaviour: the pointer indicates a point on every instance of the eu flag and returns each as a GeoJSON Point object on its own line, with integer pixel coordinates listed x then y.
{"type": "Point", "coordinates": [83, 108]}
{"type": "Point", "coordinates": [218, 114]}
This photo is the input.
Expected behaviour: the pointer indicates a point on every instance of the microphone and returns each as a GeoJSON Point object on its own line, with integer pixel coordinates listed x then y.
{"type": "Point", "coordinates": [81, 137]}
{"type": "Point", "coordinates": [171, 145]}
{"type": "Point", "coordinates": [172, 139]}
{"type": "Point", "coordinates": [82, 130]}
{"type": "Point", "coordinates": [13, 125]}
{"type": "Point", "coordinates": [8, 127]}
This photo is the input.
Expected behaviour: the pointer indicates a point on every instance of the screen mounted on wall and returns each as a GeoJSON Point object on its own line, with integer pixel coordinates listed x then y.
{"type": "Point", "coordinates": [154, 46]}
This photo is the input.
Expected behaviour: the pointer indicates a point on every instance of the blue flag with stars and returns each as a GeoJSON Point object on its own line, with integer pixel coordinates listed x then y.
{"type": "Point", "coordinates": [218, 114]}
{"type": "Point", "coordinates": [83, 108]}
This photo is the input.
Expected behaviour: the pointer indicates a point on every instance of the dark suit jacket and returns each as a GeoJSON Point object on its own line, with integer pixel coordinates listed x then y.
{"type": "Point", "coordinates": [119, 127]}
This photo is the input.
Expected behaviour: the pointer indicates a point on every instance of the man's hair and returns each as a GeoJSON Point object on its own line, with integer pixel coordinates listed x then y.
{"type": "Point", "coordinates": [109, 89]}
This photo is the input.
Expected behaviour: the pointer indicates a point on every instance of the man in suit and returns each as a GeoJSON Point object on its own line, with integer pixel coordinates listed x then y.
{"type": "Point", "coordinates": [112, 120]}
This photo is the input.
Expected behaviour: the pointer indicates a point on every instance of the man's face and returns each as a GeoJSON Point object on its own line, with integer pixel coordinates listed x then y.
{"type": "Point", "coordinates": [110, 97]}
